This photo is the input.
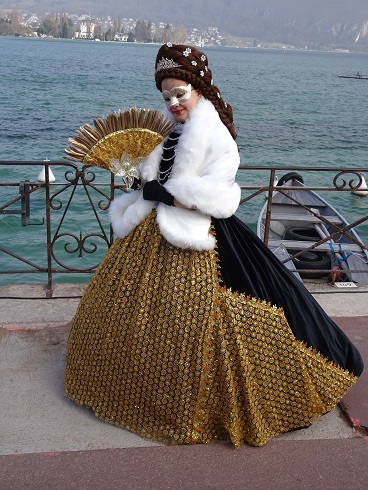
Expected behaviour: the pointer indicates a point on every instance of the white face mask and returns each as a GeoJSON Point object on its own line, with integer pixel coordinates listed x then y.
{"type": "Point", "coordinates": [177, 95]}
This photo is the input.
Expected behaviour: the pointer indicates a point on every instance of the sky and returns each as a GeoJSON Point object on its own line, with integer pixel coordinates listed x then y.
{"type": "Point", "coordinates": [347, 10]}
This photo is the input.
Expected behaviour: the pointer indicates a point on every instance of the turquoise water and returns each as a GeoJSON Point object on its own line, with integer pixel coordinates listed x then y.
{"type": "Point", "coordinates": [290, 108]}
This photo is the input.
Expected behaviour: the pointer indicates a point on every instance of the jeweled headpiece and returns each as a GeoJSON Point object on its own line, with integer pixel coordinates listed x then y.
{"type": "Point", "coordinates": [164, 63]}
{"type": "Point", "coordinates": [184, 63]}
{"type": "Point", "coordinates": [189, 64]}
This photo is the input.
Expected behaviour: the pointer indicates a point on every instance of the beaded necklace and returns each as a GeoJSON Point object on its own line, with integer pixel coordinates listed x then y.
{"type": "Point", "coordinates": [168, 156]}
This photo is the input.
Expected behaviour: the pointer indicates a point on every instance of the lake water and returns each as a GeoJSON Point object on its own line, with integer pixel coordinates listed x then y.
{"type": "Point", "coordinates": [290, 108]}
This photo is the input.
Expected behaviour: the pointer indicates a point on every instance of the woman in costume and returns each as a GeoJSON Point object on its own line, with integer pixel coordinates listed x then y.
{"type": "Point", "coordinates": [191, 330]}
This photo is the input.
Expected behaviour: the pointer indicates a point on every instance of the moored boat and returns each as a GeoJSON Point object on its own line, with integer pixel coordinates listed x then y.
{"type": "Point", "coordinates": [309, 235]}
{"type": "Point", "coordinates": [357, 76]}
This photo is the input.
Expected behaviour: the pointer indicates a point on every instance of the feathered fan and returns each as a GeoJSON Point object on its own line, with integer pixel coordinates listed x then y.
{"type": "Point", "coordinates": [120, 141]}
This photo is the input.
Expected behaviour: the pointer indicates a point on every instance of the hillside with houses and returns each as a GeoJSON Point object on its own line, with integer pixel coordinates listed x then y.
{"type": "Point", "coordinates": [257, 30]}
{"type": "Point", "coordinates": [70, 26]}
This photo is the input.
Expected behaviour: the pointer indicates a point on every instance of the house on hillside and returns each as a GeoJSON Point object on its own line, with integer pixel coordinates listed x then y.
{"type": "Point", "coordinates": [119, 36]}
{"type": "Point", "coordinates": [86, 27]}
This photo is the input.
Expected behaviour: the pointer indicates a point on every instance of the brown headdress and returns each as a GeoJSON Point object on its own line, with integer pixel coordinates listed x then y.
{"type": "Point", "coordinates": [191, 65]}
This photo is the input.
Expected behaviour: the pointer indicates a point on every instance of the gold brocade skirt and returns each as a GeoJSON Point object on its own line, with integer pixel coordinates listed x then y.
{"type": "Point", "coordinates": [159, 347]}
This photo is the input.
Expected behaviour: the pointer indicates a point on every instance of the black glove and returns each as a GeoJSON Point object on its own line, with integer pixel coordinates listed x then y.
{"type": "Point", "coordinates": [136, 184]}
{"type": "Point", "coordinates": [154, 191]}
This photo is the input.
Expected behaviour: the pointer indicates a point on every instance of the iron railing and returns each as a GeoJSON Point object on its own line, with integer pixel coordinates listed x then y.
{"type": "Point", "coordinates": [66, 202]}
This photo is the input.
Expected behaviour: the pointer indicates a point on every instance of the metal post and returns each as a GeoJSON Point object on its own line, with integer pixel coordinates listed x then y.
{"type": "Point", "coordinates": [25, 201]}
{"type": "Point", "coordinates": [48, 233]}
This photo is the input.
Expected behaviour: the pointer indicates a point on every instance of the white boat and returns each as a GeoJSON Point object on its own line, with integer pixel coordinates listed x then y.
{"type": "Point", "coordinates": [305, 227]}
{"type": "Point", "coordinates": [357, 76]}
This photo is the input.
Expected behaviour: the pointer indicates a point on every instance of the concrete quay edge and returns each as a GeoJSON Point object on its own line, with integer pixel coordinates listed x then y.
{"type": "Point", "coordinates": [26, 305]}
{"type": "Point", "coordinates": [48, 442]}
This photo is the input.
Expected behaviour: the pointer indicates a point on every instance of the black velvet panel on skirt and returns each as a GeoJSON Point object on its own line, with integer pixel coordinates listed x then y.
{"type": "Point", "coordinates": [249, 267]}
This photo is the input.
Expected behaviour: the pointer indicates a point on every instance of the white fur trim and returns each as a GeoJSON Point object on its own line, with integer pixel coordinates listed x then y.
{"type": "Point", "coordinates": [202, 178]}
{"type": "Point", "coordinates": [206, 194]}
{"type": "Point", "coordinates": [127, 211]}
{"type": "Point", "coordinates": [185, 228]}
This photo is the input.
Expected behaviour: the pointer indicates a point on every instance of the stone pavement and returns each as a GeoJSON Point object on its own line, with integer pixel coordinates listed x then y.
{"type": "Point", "coordinates": [48, 442]}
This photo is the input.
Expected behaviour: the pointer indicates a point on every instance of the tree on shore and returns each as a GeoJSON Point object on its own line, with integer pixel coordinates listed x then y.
{"type": "Point", "coordinates": [143, 32]}
{"type": "Point", "coordinates": [180, 35]}
{"type": "Point", "coordinates": [10, 24]}
{"type": "Point", "coordinates": [57, 25]}
{"type": "Point", "coordinates": [66, 27]}
{"type": "Point", "coordinates": [98, 32]}
{"type": "Point", "coordinates": [131, 37]}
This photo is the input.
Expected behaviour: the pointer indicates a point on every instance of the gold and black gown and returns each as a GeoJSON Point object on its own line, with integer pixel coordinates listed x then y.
{"type": "Point", "coordinates": [184, 347]}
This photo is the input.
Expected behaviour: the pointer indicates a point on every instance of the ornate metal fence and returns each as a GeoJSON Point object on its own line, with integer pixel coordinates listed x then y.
{"type": "Point", "coordinates": [70, 212]}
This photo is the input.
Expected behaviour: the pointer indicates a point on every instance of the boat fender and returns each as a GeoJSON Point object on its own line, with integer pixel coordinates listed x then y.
{"type": "Point", "coordinates": [306, 256]}
{"type": "Point", "coordinates": [313, 262]}
{"type": "Point", "coordinates": [362, 190]}
{"type": "Point", "coordinates": [298, 233]}
{"type": "Point", "coordinates": [290, 175]}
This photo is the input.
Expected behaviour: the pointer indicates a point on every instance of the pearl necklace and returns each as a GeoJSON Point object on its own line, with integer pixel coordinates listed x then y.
{"type": "Point", "coordinates": [163, 175]}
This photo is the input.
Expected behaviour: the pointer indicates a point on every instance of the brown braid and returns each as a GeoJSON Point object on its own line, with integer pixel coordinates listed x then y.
{"type": "Point", "coordinates": [191, 65]}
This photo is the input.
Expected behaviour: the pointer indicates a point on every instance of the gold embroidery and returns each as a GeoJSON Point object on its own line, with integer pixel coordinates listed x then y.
{"type": "Point", "coordinates": [162, 349]}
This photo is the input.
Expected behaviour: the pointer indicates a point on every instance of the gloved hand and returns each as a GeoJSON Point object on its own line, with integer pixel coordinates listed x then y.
{"type": "Point", "coordinates": [154, 191]}
{"type": "Point", "coordinates": [136, 184]}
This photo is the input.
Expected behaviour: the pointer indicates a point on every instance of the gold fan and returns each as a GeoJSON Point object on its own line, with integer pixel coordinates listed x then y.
{"type": "Point", "coordinates": [120, 141]}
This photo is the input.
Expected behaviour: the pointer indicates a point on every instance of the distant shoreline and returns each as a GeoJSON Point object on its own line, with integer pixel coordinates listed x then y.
{"type": "Point", "coordinates": [247, 48]}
